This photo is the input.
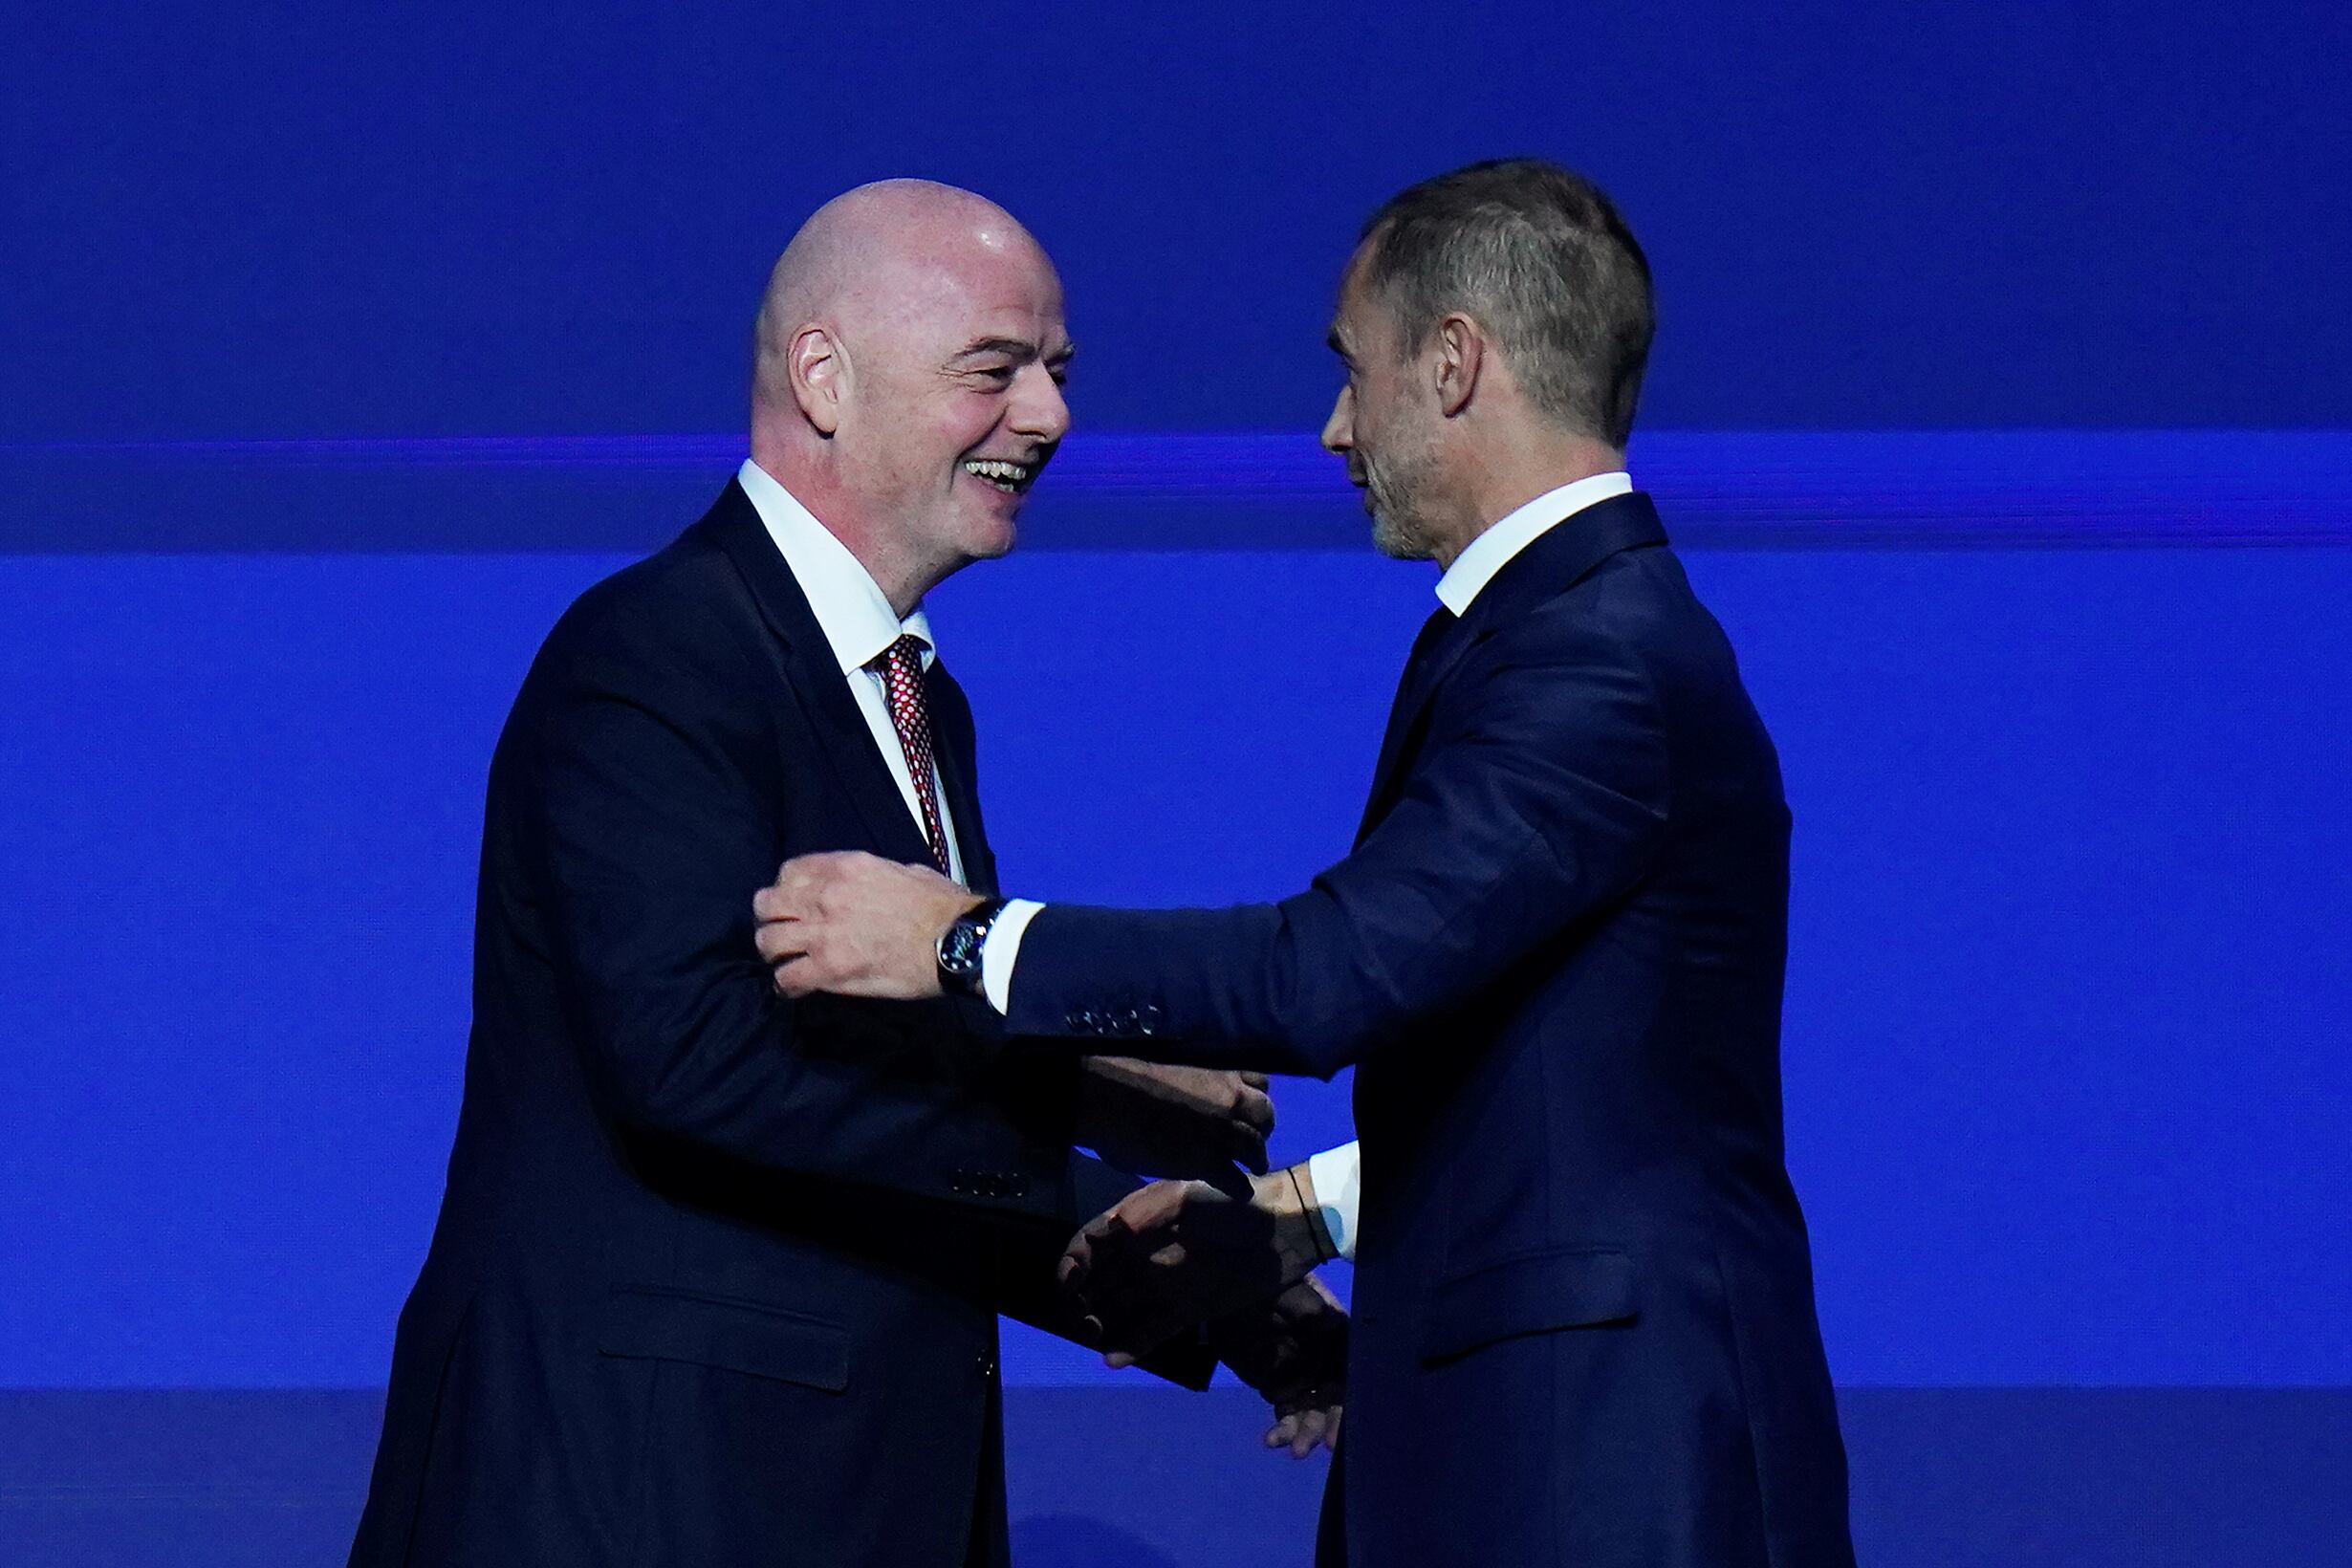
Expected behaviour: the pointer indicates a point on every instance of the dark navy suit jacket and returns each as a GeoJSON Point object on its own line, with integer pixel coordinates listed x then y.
{"type": "Point", "coordinates": [1584, 1329]}
{"type": "Point", "coordinates": [716, 1276]}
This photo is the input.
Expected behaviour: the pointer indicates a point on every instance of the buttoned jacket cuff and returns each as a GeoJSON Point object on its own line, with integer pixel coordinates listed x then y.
{"type": "Point", "coordinates": [1002, 948]}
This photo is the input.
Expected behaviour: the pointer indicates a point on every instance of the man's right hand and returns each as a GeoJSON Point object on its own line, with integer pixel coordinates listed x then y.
{"type": "Point", "coordinates": [1173, 1254]}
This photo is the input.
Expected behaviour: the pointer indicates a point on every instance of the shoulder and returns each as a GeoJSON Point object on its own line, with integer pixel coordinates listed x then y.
{"type": "Point", "coordinates": [674, 633]}
{"type": "Point", "coordinates": [1630, 638]}
{"type": "Point", "coordinates": [1606, 624]}
{"type": "Point", "coordinates": [685, 598]}
{"type": "Point", "coordinates": [1637, 609]}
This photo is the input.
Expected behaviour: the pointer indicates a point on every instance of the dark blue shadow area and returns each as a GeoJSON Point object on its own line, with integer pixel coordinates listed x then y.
{"type": "Point", "coordinates": [1136, 1477]}
{"type": "Point", "coordinates": [2066, 996]}
{"type": "Point", "coordinates": [272, 219]}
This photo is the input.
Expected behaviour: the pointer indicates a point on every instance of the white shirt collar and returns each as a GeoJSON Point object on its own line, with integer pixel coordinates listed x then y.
{"type": "Point", "coordinates": [851, 607]}
{"type": "Point", "coordinates": [1492, 551]}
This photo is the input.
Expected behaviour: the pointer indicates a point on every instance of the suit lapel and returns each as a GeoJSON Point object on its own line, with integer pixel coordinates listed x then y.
{"type": "Point", "coordinates": [1428, 655]}
{"type": "Point", "coordinates": [1552, 564]}
{"type": "Point", "coordinates": [815, 679]}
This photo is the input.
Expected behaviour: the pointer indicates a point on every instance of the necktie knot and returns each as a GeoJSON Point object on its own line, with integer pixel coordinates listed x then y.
{"type": "Point", "coordinates": [906, 653]}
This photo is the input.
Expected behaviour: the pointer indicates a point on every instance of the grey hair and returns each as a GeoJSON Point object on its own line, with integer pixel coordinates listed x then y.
{"type": "Point", "coordinates": [1539, 256]}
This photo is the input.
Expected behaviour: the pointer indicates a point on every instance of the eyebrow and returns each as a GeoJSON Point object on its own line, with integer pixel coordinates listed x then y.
{"type": "Point", "coordinates": [1014, 348]}
{"type": "Point", "coordinates": [1336, 343]}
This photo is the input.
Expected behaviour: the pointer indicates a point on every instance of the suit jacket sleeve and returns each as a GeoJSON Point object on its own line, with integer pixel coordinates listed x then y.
{"type": "Point", "coordinates": [654, 832]}
{"type": "Point", "coordinates": [1539, 800]}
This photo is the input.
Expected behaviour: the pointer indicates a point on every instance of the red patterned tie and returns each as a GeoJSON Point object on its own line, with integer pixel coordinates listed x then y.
{"type": "Point", "coordinates": [900, 668]}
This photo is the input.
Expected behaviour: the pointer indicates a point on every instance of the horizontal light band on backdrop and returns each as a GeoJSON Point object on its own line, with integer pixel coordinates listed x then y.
{"type": "Point", "coordinates": [1175, 490]}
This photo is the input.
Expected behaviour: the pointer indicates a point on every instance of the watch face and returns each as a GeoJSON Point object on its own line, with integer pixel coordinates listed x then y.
{"type": "Point", "coordinates": [960, 953]}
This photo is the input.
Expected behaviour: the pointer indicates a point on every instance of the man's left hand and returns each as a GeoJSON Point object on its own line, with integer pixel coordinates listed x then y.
{"type": "Point", "coordinates": [856, 924]}
{"type": "Point", "coordinates": [1293, 1350]}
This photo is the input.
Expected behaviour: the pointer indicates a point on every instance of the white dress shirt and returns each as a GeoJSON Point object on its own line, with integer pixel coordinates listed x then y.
{"type": "Point", "coordinates": [1520, 526]}
{"type": "Point", "coordinates": [1338, 1172]}
{"type": "Point", "coordinates": [858, 624]}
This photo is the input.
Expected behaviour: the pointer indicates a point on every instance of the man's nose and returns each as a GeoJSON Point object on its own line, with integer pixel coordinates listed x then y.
{"type": "Point", "coordinates": [1340, 429]}
{"type": "Point", "coordinates": [1041, 412]}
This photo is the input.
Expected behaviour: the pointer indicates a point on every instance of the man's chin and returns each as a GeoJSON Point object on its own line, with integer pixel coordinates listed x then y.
{"type": "Point", "coordinates": [987, 538]}
{"type": "Point", "coordinates": [1400, 543]}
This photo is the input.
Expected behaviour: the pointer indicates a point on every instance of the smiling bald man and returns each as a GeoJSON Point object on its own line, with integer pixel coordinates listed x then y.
{"type": "Point", "coordinates": [717, 1273]}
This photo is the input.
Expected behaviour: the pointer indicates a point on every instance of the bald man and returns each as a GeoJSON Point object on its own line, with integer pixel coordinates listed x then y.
{"type": "Point", "coordinates": [717, 1275]}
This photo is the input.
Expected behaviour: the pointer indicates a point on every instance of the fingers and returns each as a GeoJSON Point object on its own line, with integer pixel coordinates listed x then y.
{"type": "Point", "coordinates": [783, 935]}
{"type": "Point", "coordinates": [799, 884]}
{"type": "Point", "coordinates": [1151, 1207]}
{"type": "Point", "coordinates": [1252, 1122]}
{"type": "Point", "coordinates": [1077, 1255]}
{"type": "Point", "coordinates": [781, 940]}
{"type": "Point", "coordinates": [1303, 1432]}
{"type": "Point", "coordinates": [808, 974]}
{"type": "Point", "coordinates": [806, 884]}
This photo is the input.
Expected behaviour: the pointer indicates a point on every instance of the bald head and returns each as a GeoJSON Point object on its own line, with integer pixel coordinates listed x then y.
{"type": "Point", "coordinates": [907, 388]}
{"type": "Point", "coordinates": [876, 258]}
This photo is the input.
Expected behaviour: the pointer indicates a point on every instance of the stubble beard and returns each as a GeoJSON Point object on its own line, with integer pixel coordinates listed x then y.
{"type": "Point", "coordinates": [1397, 494]}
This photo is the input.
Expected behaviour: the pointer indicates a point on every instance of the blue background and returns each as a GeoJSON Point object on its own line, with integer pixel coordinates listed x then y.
{"type": "Point", "coordinates": [2064, 1042]}
{"type": "Point", "coordinates": [2003, 406]}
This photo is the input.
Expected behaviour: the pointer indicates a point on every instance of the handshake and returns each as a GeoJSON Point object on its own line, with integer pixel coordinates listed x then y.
{"type": "Point", "coordinates": [1222, 1254]}
{"type": "Point", "coordinates": [1229, 1256]}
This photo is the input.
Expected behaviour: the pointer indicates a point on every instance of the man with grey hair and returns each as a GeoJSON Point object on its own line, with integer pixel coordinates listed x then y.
{"type": "Point", "coordinates": [717, 1273]}
{"type": "Point", "coordinates": [1585, 1330]}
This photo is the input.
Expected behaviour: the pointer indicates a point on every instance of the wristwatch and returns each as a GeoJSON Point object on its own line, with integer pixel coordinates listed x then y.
{"type": "Point", "coordinates": [960, 947]}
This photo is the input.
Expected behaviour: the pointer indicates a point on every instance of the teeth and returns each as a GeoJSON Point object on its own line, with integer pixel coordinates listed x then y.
{"type": "Point", "coordinates": [1008, 477]}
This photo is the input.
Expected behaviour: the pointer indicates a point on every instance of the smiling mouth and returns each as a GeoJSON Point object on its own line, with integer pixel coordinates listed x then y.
{"type": "Point", "coordinates": [1012, 478]}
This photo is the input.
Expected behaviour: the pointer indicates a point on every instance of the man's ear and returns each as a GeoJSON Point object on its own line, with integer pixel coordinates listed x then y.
{"type": "Point", "coordinates": [1461, 356]}
{"type": "Point", "coordinates": [820, 376]}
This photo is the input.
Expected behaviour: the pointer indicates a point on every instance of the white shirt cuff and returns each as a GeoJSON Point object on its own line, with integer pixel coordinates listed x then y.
{"type": "Point", "coordinates": [1338, 1176]}
{"type": "Point", "coordinates": [1001, 948]}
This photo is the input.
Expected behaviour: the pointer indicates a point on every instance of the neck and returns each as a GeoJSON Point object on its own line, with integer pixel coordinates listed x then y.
{"type": "Point", "coordinates": [813, 482]}
{"type": "Point", "coordinates": [1501, 480]}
